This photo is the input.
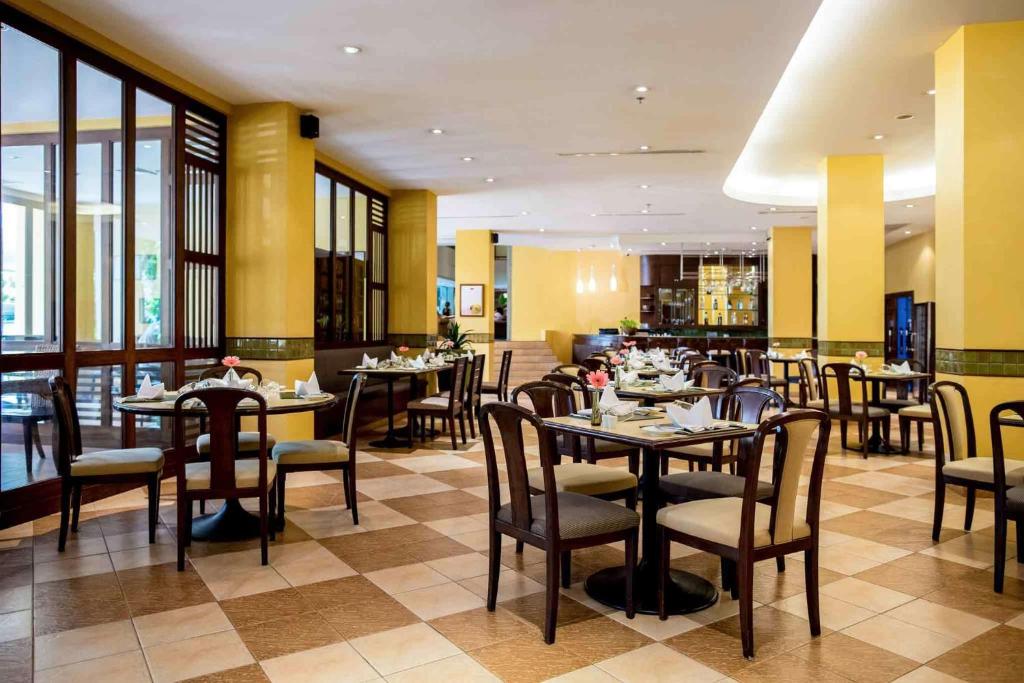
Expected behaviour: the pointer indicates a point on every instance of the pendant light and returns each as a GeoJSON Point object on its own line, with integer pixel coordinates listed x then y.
{"type": "Point", "coordinates": [613, 282]}
{"type": "Point", "coordinates": [592, 283]}
{"type": "Point", "coordinates": [579, 281]}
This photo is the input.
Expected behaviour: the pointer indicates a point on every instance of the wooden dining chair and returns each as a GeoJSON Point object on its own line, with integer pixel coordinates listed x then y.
{"type": "Point", "coordinates": [1009, 493]}
{"type": "Point", "coordinates": [840, 378]}
{"type": "Point", "coordinates": [956, 456]}
{"type": "Point", "coordinates": [571, 369]}
{"type": "Point", "coordinates": [445, 408]}
{"type": "Point", "coordinates": [758, 364]}
{"type": "Point", "coordinates": [223, 476]}
{"type": "Point", "coordinates": [594, 364]}
{"type": "Point", "coordinates": [500, 388]}
{"type": "Point", "coordinates": [474, 383]}
{"type": "Point", "coordinates": [315, 455]}
{"type": "Point", "coordinates": [76, 469]}
{"type": "Point", "coordinates": [810, 384]}
{"type": "Point", "coordinates": [745, 530]}
{"type": "Point", "coordinates": [31, 407]}
{"type": "Point", "coordinates": [711, 375]}
{"type": "Point", "coordinates": [554, 521]}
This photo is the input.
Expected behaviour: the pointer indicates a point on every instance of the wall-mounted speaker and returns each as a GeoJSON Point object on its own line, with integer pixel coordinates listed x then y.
{"type": "Point", "coordinates": [309, 126]}
{"type": "Point", "coordinates": [494, 238]}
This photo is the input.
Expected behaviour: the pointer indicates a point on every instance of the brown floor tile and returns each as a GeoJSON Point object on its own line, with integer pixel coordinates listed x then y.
{"type": "Point", "coordinates": [599, 557]}
{"type": "Point", "coordinates": [16, 661]}
{"type": "Point", "coordinates": [78, 602]}
{"type": "Point", "coordinates": [306, 497]}
{"type": "Point", "coordinates": [254, 609]}
{"type": "Point", "coordinates": [775, 631]}
{"type": "Point", "coordinates": [465, 478]}
{"type": "Point", "coordinates": [528, 659]}
{"type": "Point", "coordinates": [787, 668]}
{"type": "Point", "coordinates": [410, 504]}
{"type": "Point", "coordinates": [712, 648]}
{"type": "Point", "coordinates": [15, 558]}
{"type": "Point", "coordinates": [600, 638]}
{"type": "Point", "coordinates": [538, 570]}
{"type": "Point", "coordinates": [280, 637]}
{"type": "Point", "coordinates": [994, 656]}
{"type": "Point", "coordinates": [162, 587]}
{"type": "Point", "coordinates": [771, 585]}
{"type": "Point", "coordinates": [916, 574]}
{"type": "Point", "coordinates": [855, 496]}
{"type": "Point", "coordinates": [430, 514]}
{"type": "Point", "coordinates": [436, 549]}
{"type": "Point", "coordinates": [530, 608]}
{"type": "Point", "coordinates": [855, 659]}
{"type": "Point", "coordinates": [339, 594]}
{"type": "Point", "coordinates": [973, 593]}
{"type": "Point", "coordinates": [916, 471]}
{"type": "Point", "coordinates": [832, 471]}
{"type": "Point", "coordinates": [702, 564]}
{"type": "Point", "coordinates": [383, 468]}
{"type": "Point", "coordinates": [478, 628]}
{"type": "Point", "coordinates": [902, 533]}
{"type": "Point", "coordinates": [356, 607]}
{"type": "Point", "coordinates": [14, 577]}
{"type": "Point", "coordinates": [243, 674]}
{"type": "Point", "coordinates": [125, 521]}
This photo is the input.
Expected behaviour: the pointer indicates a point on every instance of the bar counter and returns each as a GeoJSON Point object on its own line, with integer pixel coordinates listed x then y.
{"type": "Point", "coordinates": [585, 344]}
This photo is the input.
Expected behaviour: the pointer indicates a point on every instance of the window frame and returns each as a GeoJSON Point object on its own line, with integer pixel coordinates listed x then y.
{"type": "Point", "coordinates": [40, 498]}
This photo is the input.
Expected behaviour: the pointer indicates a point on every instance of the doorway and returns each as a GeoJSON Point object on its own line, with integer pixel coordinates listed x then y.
{"type": "Point", "coordinates": [899, 326]}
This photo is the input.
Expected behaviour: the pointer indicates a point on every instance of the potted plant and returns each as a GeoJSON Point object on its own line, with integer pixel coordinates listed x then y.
{"type": "Point", "coordinates": [455, 340]}
{"type": "Point", "coordinates": [628, 326]}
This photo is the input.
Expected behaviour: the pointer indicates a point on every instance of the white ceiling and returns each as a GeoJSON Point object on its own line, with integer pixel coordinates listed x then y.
{"type": "Point", "coordinates": [515, 83]}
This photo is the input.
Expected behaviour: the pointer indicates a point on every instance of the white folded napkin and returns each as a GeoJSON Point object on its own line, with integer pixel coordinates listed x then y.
{"type": "Point", "coordinates": [773, 353]}
{"type": "Point", "coordinates": [149, 390]}
{"type": "Point", "coordinates": [233, 381]}
{"type": "Point", "coordinates": [436, 361]}
{"type": "Point", "coordinates": [676, 382]}
{"type": "Point", "coordinates": [633, 352]}
{"type": "Point", "coordinates": [310, 387]}
{"type": "Point", "coordinates": [610, 403]}
{"type": "Point", "coordinates": [369, 362]}
{"type": "Point", "coordinates": [901, 368]}
{"type": "Point", "coordinates": [697, 415]}
{"type": "Point", "coordinates": [418, 363]}
{"type": "Point", "coordinates": [664, 365]}
{"type": "Point", "coordinates": [628, 378]}
{"type": "Point", "coordinates": [636, 363]}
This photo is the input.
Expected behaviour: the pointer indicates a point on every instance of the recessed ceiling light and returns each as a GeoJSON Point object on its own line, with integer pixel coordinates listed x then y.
{"type": "Point", "coordinates": [643, 210]}
{"type": "Point", "coordinates": [909, 206]}
{"type": "Point", "coordinates": [644, 148]}
{"type": "Point", "coordinates": [628, 250]}
{"type": "Point", "coordinates": [772, 209]}
{"type": "Point", "coordinates": [754, 243]}
{"type": "Point", "coordinates": [641, 89]}
{"type": "Point", "coordinates": [644, 187]}
{"type": "Point", "coordinates": [468, 159]}
{"type": "Point", "coordinates": [707, 244]}
{"type": "Point", "coordinates": [524, 213]}
{"type": "Point", "coordinates": [930, 91]}
{"type": "Point", "coordinates": [877, 136]}
{"type": "Point", "coordinates": [437, 131]}
{"type": "Point", "coordinates": [753, 227]}
{"type": "Point", "coordinates": [664, 244]}
{"type": "Point", "coordinates": [352, 49]}
{"type": "Point", "coordinates": [904, 117]}
{"type": "Point", "coordinates": [613, 154]}
{"type": "Point", "coordinates": [593, 215]}
{"type": "Point", "coordinates": [906, 232]}
{"type": "Point", "coordinates": [540, 230]}
{"type": "Point", "coordinates": [645, 229]}
{"type": "Point", "coordinates": [488, 180]}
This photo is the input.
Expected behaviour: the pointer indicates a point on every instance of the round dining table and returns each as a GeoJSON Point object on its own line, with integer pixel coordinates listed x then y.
{"type": "Point", "coordinates": [231, 522]}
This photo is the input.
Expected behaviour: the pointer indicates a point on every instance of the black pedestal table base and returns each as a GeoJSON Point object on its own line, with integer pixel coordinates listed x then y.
{"type": "Point", "coordinates": [231, 522]}
{"type": "Point", "coordinates": [686, 592]}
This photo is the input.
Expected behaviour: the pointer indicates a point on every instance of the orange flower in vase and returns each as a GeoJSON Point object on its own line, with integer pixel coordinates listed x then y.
{"type": "Point", "coordinates": [597, 379]}
{"type": "Point", "coordinates": [230, 361]}
{"type": "Point", "coordinates": [403, 349]}
{"type": "Point", "coordinates": [616, 360]}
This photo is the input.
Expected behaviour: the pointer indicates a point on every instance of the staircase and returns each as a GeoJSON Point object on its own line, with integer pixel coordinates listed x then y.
{"type": "Point", "coordinates": [530, 360]}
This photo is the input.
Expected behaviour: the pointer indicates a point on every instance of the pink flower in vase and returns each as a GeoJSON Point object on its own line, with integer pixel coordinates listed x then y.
{"type": "Point", "coordinates": [598, 379]}
{"type": "Point", "coordinates": [230, 361]}
{"type": "Point", "coordinates": [403, 349]}
{"type": "Point", "coordinates": [861, 356]}
{"type": "Point", "coordinates": [616, 360]}
{"type": "Point", "coordinates": [629, 343]}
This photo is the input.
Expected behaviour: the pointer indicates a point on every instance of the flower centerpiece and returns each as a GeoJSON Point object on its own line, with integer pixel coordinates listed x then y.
{"type": "Point", "coordinates": [230, 361]}
{"type": "Point", "coordinates": [403, 349]}
{"type": "Point", "coordinates": [598, 380]}
{"type": "Point", "coordinates": [455, 341]}
{"type": "Point", "coordinates": [860, 358]}
{"type": "Point", "coordinates": [616, 360]}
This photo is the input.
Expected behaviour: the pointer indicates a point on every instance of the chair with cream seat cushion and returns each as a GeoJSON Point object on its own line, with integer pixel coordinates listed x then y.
{"type": "Point", "coordinates": [920, 413]}
{"type": "Point", "coordinates": [223, 475]}
{"type": "Point", "coordinates": [1009, 492]}
{"type": "Point", "coordinates": [446, 408]}
{"type": "Point", "coordinates": [77, 469]}
{"type": "Point", "coordinates": [248, 443]}
{"type": "Point", "coordinates": [849, 404]}
{"type": "Point", "coordinates": [956, 460]}
{"type": "Point", "coordinates": [745, 530]}
{"type": "Point", "coordinates": [314, 455]}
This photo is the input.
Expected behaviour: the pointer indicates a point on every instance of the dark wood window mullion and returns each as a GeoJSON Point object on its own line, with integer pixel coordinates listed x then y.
{"type": "Point", "coordinates": [350, 265]}
{"type": "Point", "coordinates": [68, 148]}
{"type": "Point", "coordinates": [179, 244]}
{"type": "Point", "coordinates": [333, 328]}
{"type": "Point", "coordinates": [130, 134]}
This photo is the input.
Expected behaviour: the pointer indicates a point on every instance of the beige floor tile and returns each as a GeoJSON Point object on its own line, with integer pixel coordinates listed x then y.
{"type": "Point", "coordinates": [15, 599]}
{"type": "Point", "coordinates": [297, 480]}
{"type": "Point", "coordinates": [458, 668]}
{"type": "Point", "coordinates": [836, 559]}
{"type": "Point", "coordinates": [307, 562]}
{"type": "Point", "coordinates": [856, 462]}
{"type": "Point", "coordinates": [653, 627]}
{"type": "Point", "coordinates": [137, 539]}
{"type": "Point", "coordinates": [324, 522]}
{"type": "Point", "coordinates": [893, 483]}
{"type": "Point", "coordinates": [15, 625]}
{"type": "Point", "coordinates": [459, 567]}
{"type": "Point", "coordinates": [76, 547]}
{"type": "Point", "coordinates": [436, 463]}
{"type": "Point", "coordinates": [480, 541]}
{"type": "Point", "coordinates": [143, 556]}
{"type": "Point", "coordinates": [656, 663]}
{"type": "Point", "coordinates": [834, 613]}
{"type": "Point", "coordinates": [878, 599]}
{"type": "Point", "coordinates": [1017, 621]}
{"type": "Point", "coordinates": [907, 640]}
{"type": "Point", "coordinates": [126, 667]}
{"type": "Point", "coordinates": [88, 642]}
{"type": "Point", "coordinates": [577, 593]}
{"type": "Point", "coordinates": [438, 601]}
{"type": "Point", "coordinates": [923, 510]}
{"type": "Point", "coordinates": [374, 515]}
{"type": "Point", "coordinates": [456, 525]}
{"type": "Point", "coordinates": [973, 549]}
{"type": "Point", "coordinates": [197, 656]}
{"type": "Point", "coordinates": [232, 575]}
{"type": "Point", "coordinates": [587, 674]}
{"type": "Point", "coordinates": [925, 674]}
{"type": "Point", "coordinates": [406, 578]}
{"type": "Point", "coordinates": [335, 663]}
{"type": "Point", "coordinates": [511, 585]}
{"type": "Point", "coordinates": [403, 648]}
{"type": "Point", "coordinates": [71, 567]}
{"type": "Point", "coordinates": [945, 621]}
{"type": "Point", "coordinates": [383, 488]}
{"type": "Point", "coordinates": [878, 552]}
{"type": "Point", "coordinates": [181, 624]}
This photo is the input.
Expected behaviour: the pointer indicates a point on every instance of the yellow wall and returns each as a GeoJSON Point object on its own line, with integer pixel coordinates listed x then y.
{"type": "Point", "coordinates": [474, 265]}
{"type": "Point", "coordinates": [910, 266]}
{"type": "Point", "coordinates": [789, 282]}
{"type": "Point", "coordinates": [412, 262]}
{"type": "Point", "coordinates": [605, 308]}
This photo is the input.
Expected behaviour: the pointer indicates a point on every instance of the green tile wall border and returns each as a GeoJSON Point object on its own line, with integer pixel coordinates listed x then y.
{"type": "Point", "coordinates": [874, 349]}
{"type": "Point", "coordinates": [793, 342]}
{"type": "Point", "coordinates": [413, 341]}
{"type": "Point", "coordinates": [980, 362]}
{"type": "Point", "coordinates": [480, 337]}
{"type": "Point", "coordinates": [270, 348]}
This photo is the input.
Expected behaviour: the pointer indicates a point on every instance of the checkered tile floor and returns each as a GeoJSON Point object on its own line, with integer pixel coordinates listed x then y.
{"type": "Point", "coordinates": [400, 598]}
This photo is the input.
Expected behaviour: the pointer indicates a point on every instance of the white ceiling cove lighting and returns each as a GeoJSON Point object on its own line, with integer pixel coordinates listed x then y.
{"type": "Point", "coordinates": [613, 282]}
{"type": "Point", "coordinates": [644, 187]}
{"type": "Point", "coordinates": [540, 230]}
{"type": "Point", "coordinates": [909, 206]}
{"type": "Point", "coordinates": [644, 148]}
{"type": "Point", "coordinates": [437, 131]}
{"type": "Point", "coordinates": [641, 89]}
{"type": "Point", "coordinates": [592, 283]}
{"type": "Point", "coordinates": [930, 91]}
{"type": "Point", "coordinates": [467, 158]}
{"type": "Point", "coordinates": [877, 136]}
{"type": "Point", "coordinates": [352, 49]}
{"type": "Point", "coordinates": [488, 180]}
{"type": "Point", "coordinates": [579, 281]}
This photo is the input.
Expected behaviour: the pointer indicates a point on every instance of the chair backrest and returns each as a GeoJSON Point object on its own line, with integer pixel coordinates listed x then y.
{"type": "Point", "coordinates": [475, 379]}
{"type": "Point", "coordinates": [756, 363]}
{"type": "Point", "coordinates": [843, 376]}
{"type": "Point", "coordinates": [571, 369]}
{"type": "Point", "coordinates": [218, 372]}
{"type": "Point", "coordinates": [751, 382]}
{"type": "Point", "coordinates": [549, 399]}
{"type": "Point", "coordinates": [69, 432]}
{"type": "Point", "coordinates": [595, 364]}
{"type": "Point", "coordinates": [460, 384]}
{"type": "Point", "coordinates": [1016, 412]}
{"type": "Point", "coordinates": [811, 379]}
{"type": "Point", "coordinates": [574, 384]}
{"type": "Point", "coordinates": [509, 419]}
{"type": "Point", "coordinates": [794, 432]}
{"type": "Point", "coordinates": [713, 376]}
{"type": "Point", "coordinates": [221, 412]}
{"type": "Point", "coordinates": [748, 404]}
{"type": "Point", "coordinates": [954, 423]}
{"type": "Point", "coordinates": [609, 352]}
{"type": "Point", "coordinates": [503, 373]}
{"type": "Point", "coordinates": [348, 418]}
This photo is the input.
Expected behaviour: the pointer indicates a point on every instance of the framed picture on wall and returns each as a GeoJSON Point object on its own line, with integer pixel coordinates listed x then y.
{"type": "Point", "coordinates": [471, 301]}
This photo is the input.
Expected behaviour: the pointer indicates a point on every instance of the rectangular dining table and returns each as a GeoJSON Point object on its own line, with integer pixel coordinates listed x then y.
{"type": "Point", "coordinates": [648, 395]}
{"type": "Point", "coordinates": [878, 378]}
{"type": "Point", "coordinates": [391, 375]}
{"type": "Point", "coordinates": [686, 592]}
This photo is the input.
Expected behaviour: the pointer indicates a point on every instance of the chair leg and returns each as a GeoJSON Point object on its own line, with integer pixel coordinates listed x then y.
{"type": "Point", "coordinates": [969, 513]}
{"type": "Point", "coordinates": [37, 441]}
{"type": "Point", "coordinates": [920, 435]}
{"type": "Point", "coordinates": [462, 427]}
{"type": "Point", "coordinates": [1000, 543]}
{"type": "Point", "coordinates": [202, 506]}
{"type": "Point", "coordinates": [940, 507]}
{"type": "Point", "coordinates": [352, 494]}
{"type": "Point", "coordinates": [727, 573]}
{"type": "Point", "coordinates": [451, 426]}
{"type": "Point", "coordinates": [633, 464]}
{"type": "Point", "coordinates": [65, 513]}
{"type": "Point", "coordinates": [279, 522]}
{"type": "Point", "coordinates": [182, 530]}
{"type": "Point", "coordinates": [432, 424]}
{"type": "Point", "coordinates": [811, 585]}
{"type": "Point", "coordinates": [493, 570]}
{"type": "Point", "coordinates": [665, 543]}
{"type": "Point", "coordinates": [519, 547]}
{"type": "Point", "coordinates": [344, 486]}
{"type": "Point", "coordinates": [566, 568]}
{"type": "Point", "coordinates": [264, 549]}
{"type": "Point", "coordinates": [632, 541]}
{"type": "Point", "coordinates": [1019, 525]}
{"type": "Point", "coordinates": [471, 412]}
{"type": "Point", "coordinates": [780, 563]}
{"type": "Point", "coordinates": [631, 499]}
{"type": "Point", "coordinates": [272, 511]}
{"type": "Point", "coordinates": [904, 435]}
{"type": "Point", "coordinates": [154, 505]}
{"type": "Point", "coordinates": [664, 465]}
{"type": "Point", "coordinates": [551, 603]}
{"type": "Point", "coordinates": [863, 430]}
{"type": "Point", "coordinates": [745, 579]}
{"type": "Point", "coordinates": [842, 433]}
{"type": "Point", "coordinates": [76, 505]}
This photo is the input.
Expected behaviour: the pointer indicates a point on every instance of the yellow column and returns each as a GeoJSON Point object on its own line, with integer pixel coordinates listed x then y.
{"type": "Point", "coordinates": [789, 288]}
{"type": "Point", "coordinates": [851, 258]}
{"type": "Point", "coordinates": [412, 268]}
{"type": "Point", "coordinates": [979, 227]}
{"type": "Point", "coordinates": [270, 249]}
{"type": "Point", "coordinates": [474, 265]}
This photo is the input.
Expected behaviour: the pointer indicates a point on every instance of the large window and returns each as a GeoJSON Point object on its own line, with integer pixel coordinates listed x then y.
{"type": "Point", "coordinates": [350, 251]}
{"type": "Point", "coordinates": [112, 231]}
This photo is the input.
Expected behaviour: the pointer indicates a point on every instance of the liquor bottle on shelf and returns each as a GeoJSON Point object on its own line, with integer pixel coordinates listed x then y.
{"type": "Point", "coordinates": [714, 304]}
